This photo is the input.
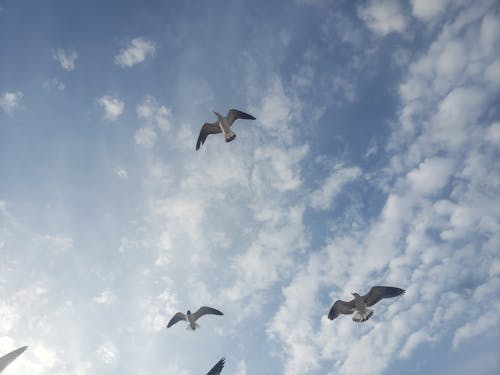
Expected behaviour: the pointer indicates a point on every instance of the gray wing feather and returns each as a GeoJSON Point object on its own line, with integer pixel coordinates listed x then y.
{"type": "Point", "coordinates": [217, 369]}
{"type": "Point", "coordinates": [206, 129]}
{"type": "Point", "coordinates": [341, 307]}
{"type": "Point", "coordinates": [377, 293]}
{"type": "Point", "coordinates": [176, 318]}
{"type": "Point", "coordinates": [234, 114]}
{"type": "Point", "coordinates": [9, 357]}
{"type": "Point", "coordinates": [204, 310]}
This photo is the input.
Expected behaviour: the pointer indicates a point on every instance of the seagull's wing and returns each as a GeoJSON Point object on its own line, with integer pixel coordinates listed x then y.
{"type": "Point", "coordinates": [234, 115]}
{"type": "Point", "coordinates": [377, 293]}
{"type": "Point", "coordinates": [341, 307]}
{"type": "Point", "coordinates": [217, 369]}
{"type": "Point", "coordinates": [176, 318]}
{"type": "Point", "coordinates": [206, 129]}
{"type": "Point", "coordinates": [9, 357]}
{"type": "Point", "coordinates": [204, 310]}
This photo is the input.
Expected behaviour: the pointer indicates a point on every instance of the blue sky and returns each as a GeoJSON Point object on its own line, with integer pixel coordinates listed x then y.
{"type": "Point", "coordinates": [373, 161]}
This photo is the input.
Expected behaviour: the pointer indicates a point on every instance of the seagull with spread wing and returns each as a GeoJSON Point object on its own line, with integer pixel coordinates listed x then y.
{"type": "Point", "coordinates": [9, 357]}
{"type": "Point", "coordinates": [192, 318]}
{"type": "Point", "coordinates": [222, 125]}
{"type": "Point", "coordinates": [217, 369]}
{"type": "Point", "coordinates": [360, 304]}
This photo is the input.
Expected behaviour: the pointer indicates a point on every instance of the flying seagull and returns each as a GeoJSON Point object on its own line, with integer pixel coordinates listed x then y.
{"type": "Point", "coordinates": [9, 357]}
{"type": "Point", "coordinates": [360, 303]}
{"type": "Point", "coordinates": [192, 318]}
{"type": "Point", "coordinates": [222, 125]}
{"type": "Point", "coordinates": [217, 369]}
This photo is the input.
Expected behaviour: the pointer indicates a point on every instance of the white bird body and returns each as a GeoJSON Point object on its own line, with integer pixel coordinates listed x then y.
{"type": "Point", "coordinates": [229, 135]}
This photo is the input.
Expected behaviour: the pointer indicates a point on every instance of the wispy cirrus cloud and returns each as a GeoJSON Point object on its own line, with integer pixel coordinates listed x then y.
{"type": "Point", "coordinates": [137, 50]}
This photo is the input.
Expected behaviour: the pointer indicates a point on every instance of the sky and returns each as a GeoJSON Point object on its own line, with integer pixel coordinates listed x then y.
{"type": "Point", "coordinates": [373, 161]}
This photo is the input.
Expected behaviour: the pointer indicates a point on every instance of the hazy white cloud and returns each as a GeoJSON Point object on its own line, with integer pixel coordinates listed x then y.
{"type": "Point", "coordinates": [493, 133]}
{"type": "Point", "coordinates": [54, 84]}
{"type": "Point", "coordinates": [431, 175]}
{"type": "Point", "coordinates": [106, 297]}
{"type": "Point", "coordinates": [145, 137]}
{"type": "Point", "coordinates": [11, 101]}
{"type": "Point", "coordinates": [154, 113]}
{"type": "Point", "coordinates": [323, 197]}
{"type": "Point", "coordinates": [136, 52]}
{"type": "Point", "coordinates": [487, 321]}
{"type": "Point", "coordinates": [122, 173]}
{"type": "Point", "coordinates": [113, 107]}
{"type": "Point", "coordinates": [108, 353]}
{"type": "Point", "coordinates": [383, 17]}
{"type": "Point", "coordinates": [428, 9]}
{"type": "Point", "coordinates": [65, 58]}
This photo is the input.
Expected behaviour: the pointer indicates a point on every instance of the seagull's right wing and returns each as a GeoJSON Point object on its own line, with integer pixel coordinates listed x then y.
{"type": "Point", "coordinates": [206, 129]}
{"type": "Point", "coordinates": [9, 357]}
{"type": "Point", "coordinates": [217, 369]}
{"type": "Point", "coordinates": [234, 115]}
{"type": "Point", "coordinates": [176, 318]}
{"type": "Point", "coordinates": [204, 310]}
{"type": "Point", "coordinates": [377, 293]}
{"type": "Point", "coordinates": [341, 307]}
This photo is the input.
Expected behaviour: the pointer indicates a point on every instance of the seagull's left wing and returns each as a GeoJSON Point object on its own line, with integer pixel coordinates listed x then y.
{"type": "Point", "coordinates": [204, 310]}
{"type": "Point", "coordinates": [206, 129]}
{"type": "Point", "coordinates": [217, 369]}
{"type": "Point", "coordinates": [377, 293]}
{"type": "Point", "coordinates": [9, 357]}
{"type": "Point", "coordinates": [234, 115]}
{"type": "Point", "coordinates": [176, 318]}
{"type": "Point", "coordinates": [341, 307]}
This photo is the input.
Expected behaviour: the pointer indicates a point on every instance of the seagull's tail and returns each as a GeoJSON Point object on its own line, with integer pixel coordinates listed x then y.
{"type": "Point", "coordinates": [230, 136]}
{"type": "Point", "coordinates": [196, 325]}
{"type": "Point", "coordinates": [359, 317]}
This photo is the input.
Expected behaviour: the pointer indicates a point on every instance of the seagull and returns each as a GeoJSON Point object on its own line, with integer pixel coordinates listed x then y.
{"type": "Point", "coordinates": [9, 357]}
{"type": "Point", "coordinates": [217, 369]}
{"type": "Point", "coordinates": [360, 303]}
{"type": "Point", "coordinates": [222, 125]}
{"type": "Point", "coordinates": [192, 318]}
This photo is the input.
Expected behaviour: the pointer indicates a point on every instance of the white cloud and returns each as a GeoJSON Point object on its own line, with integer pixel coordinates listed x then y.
{"type": "Point", "coordinates": [65, 59]}
{"type": "Point", "coordinates": [486, 322]}
{"type": "Point", "coordinates": [145, 137]}
{"type": "Point", "coordinates": [136, 52]}
{"type": "Point", "coordinates": [431, 175]}
{"type": "Point", "coordinates": [154, 113]}
{"type": "Point", "coordinates": [106, 297]}
{"type": "Point", "coordinates": [323, 197]}
{"type": "Point", "coordinates": [277, 110]}
{"type": "Point", "coordinates": [54, 84]}
{"type": "Point", "coordinates": [108, 353]}
{"type": "Point", "coordinates": [113, 107]}
{"type": "Point", "coordinates": [383, 16]}
{"type": "Point", "coordinates": [428, 9]}
{"type": "Point", "coordinates": [122, 173]}
{"type": "Point", "coordinates": [11, 101]}
{"type": "Point", "coordinates": [493, 133]}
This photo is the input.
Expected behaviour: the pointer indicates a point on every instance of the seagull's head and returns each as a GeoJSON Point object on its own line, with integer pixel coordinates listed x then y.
{"type": "Point", "coordinates": [217, 114]}
{"type": "Point", "coordinates": [355, 295]}
{"type": "Point", "coordinates": [189, 312]}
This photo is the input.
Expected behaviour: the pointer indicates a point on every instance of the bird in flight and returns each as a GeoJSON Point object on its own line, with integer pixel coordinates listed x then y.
{"type": "Point", "coordinates": [217, 369]}
{"type": "Point", "coordinates": [360, 304]}
{"type": "Point", "coordinates": [9, 357]}
{"type": "Point", "coordinates": [222, 125]}
{"type": "Point", "coordinates": [192, 318]}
